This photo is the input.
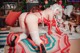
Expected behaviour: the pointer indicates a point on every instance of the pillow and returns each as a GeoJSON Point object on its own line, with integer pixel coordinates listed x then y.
{"type": "Point", "coordinates": [12, 17]}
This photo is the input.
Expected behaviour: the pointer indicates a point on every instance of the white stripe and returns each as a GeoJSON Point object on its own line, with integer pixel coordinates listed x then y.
{"type": "Point", "coordinates": [4, 31]}
{"type": "Point", "coordinates": [3, 38]}
{"type": "Point", "coordinates": [3, 34]}
{"type": "Point", "coordinates": [2, 43]}
{"type": "Point", "coordinates": [1, 50]}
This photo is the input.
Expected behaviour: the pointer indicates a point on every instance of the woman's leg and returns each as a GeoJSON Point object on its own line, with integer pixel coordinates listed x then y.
{"type": "Point", "coordinates": [35, 37]}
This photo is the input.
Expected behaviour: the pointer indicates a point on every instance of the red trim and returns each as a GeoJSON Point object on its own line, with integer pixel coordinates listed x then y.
{"type": "Point", "coordinates": [16, 41]}
{"type": "Point", "coordinates": [10, 50]}
{"type": "Point", "coordinates": [66, 41]}
{"type": "Point", "coordinates": [31, 41]}
{"type": "Point", "coordinates": [23, 50]}
{"type": "Point", "coordinates": [8, 38]}
{"type": "Point", "coordinates": [14, 49]}
{"type": "Point", "coordinates": [58, 47]}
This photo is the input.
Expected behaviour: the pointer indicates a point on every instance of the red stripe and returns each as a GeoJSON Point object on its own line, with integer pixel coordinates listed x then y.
{"type": "Point", "coordinates": [62, 51]}
{"type": "Point", "coordinates": [16, 41]}
{"type": "Point", "coordinates": [11, 37]}
{"type": "Point", "coordinates": [40, 49]}
{"type": "Point", "coordinates": [66, 41]}
{"type": "Point", "coordinates": [8, 38]}
{"type": "Point", "coordinates": [10, 50]}
{"type": "Point", "coordinates": [32, 42]}
{"type": "Point", "coordinates": [23, 51]}
{"type": "Point", "coordinates": [14, 49]}
{"type": "Point", "coordinates": [58, 47]}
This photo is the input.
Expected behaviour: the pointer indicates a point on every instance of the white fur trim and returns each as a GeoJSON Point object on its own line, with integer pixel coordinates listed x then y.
{"type": "Point", "coordinates": [55, 7]}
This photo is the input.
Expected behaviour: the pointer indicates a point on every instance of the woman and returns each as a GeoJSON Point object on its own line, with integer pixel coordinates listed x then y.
{"type": "Point", "coordinates": [29, 23]}
{"type": "Point", "coordinates": [21, 19]}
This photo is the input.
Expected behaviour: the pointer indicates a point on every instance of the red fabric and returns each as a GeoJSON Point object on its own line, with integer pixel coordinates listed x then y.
{"type": "Point", "coordinates": [12, 17]}
{"type": "Point", "coordinates": [48, 22]}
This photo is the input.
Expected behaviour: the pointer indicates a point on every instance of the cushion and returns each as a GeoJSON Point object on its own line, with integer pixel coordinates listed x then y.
{"type": "Point", "coordinates": [12, 17]}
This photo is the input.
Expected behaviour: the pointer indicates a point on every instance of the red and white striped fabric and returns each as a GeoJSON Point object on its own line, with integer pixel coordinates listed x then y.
{"type": "Point", "coordinates": [53, 43]}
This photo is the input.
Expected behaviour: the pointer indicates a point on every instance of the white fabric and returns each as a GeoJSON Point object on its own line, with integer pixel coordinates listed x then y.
{"type": "Point", "coordinates": [1, 50]}
{"type": "Point", "coordinates": [68, 10]}
{"type": "Point", "coordinates": [55, 7]}
{"type": "Point", "coordinates": [59, 8]}
{"type": "Point", "coordinates": [78, 29]}
{"type": "Point", "coordinates": [4, 37]}
{"type": "Point", "coordinates": [32, 1]}
{"type": "Point", "coordinates": [73, 35]}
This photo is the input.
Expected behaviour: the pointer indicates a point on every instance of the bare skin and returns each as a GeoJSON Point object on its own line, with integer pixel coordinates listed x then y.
{"type": "Point", "coordinates": [32, 23]}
